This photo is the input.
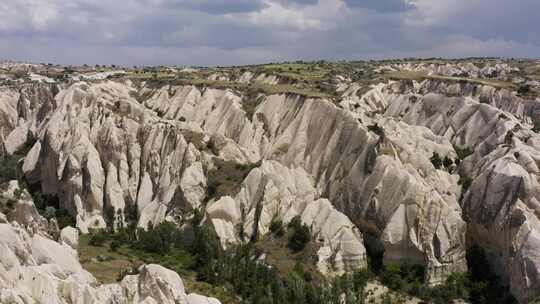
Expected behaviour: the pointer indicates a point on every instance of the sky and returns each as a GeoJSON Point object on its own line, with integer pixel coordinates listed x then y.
{"type": "Point", "coordinates": [238, 32]}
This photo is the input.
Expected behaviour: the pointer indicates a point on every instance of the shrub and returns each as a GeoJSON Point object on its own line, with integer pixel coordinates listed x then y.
{"type": "Point", "coordinates": [18, 193]}
{"type": "Point", "coordinates": [205, 246]}
{"type": "Point", "coordinates": [436, 160]}
{"type": "Point", "coordinates": [300, 235]}
{"type": "Point", "coordinates": [524, 89]}
{"type": "Point", "coordinates": [485, 286]}
{"type": "Point", "coordinates": [447, 162]}
{"type": "Point", "coordinates": [360, 279]}
{"type": "Point", "coordinates": [114, 245]}
{"type": "Point", "coordinates": [10, 204]}
{"type": "Point", "coordinates": [131, 213]}
{"type": "Point", "coordinates": [64, 219]}
{"type": "Point", "coordinates": [295, 222]}
{"type": "Point", "coordinates": [536, 127]}
{"type": "Point", "coordinates": [97, 239]}
{"type": "Point", "coordinates": [159, 239]}
{"type": "Point", "coordinates": [391, 277]}
{"type": "Point", "coordinates": [240, 231]}
{"type": "Point", "coordinates": [50, 212]}
{"type": "Point", "coordinates": [376, 129]}
{"type": "Point", "coordinates": [276, 228]}
{"type": "Point", "coordinates": [407, 278]}
{"type": "Point", "coordinates": [9, 168]}
{"type": "Point", "coordinates": [465, 183]}
{"type": "Point", "coordinates": [463, 153]}
{"type": "Point", "coordinates": [109, 214]}
{"type": "Point", "coordinates": [301, 271]}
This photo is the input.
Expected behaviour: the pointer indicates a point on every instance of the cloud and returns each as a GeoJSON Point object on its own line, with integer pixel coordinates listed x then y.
{"type": "Point", "coordinates": [224, 32]}
{"type": "Point", "coordinates": [484, 19]}
{"type": "Point", "coordinates": [280, 16]}
{"type": "Point", "coordinates": [218, 7]}
{"type": "Point", "coordinates": [381, 5]}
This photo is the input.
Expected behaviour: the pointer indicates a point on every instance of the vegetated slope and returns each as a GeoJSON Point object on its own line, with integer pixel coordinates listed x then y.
{"type": "Point", "coordinates": [412, 163]}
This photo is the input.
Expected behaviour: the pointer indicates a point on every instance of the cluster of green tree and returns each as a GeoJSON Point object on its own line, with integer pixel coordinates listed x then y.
{"type": "Point", "coordinates": [62, 216]}
{"type": "Point", "coordinates": [464, 181]}
{"type": "Point", "coordinates": [10, 165]}
{"type": "Point", "coordinates": [276, 227]}
{"type": "Point", "coordinates": [237, 269]}
{"type": "Point", "coordinates": [439, 162]}
{"type": "Point", "coordinates": [299, 234]}
{"type": "Point", "coordinates": [479, 286]}
{"type": "Point", "coordinates": [446, 163]}
{"type": "Point", "coordinates": [462, 153]}
{"type": "Point", "coordinates": [255, 282]}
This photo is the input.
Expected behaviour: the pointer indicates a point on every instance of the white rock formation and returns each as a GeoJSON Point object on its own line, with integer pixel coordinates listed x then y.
{"type": "Point", "coordinates": [501, 207]}
{"type": "Point", "coordinates": [70, 236]}
{"type": "Point", "coordinates": [36, 269]}
{"type": "Point", "coordinates": [273, 191]}
{"type": "Point", "coordinates": [22, 110]}
{"type": "Point", "coordinates": [113, 145]}
{"type": "Point", "coordinates": [467, 69]}
{"type": "Point", "coordinates": [506, 222]}
{"type": "Point", "coordinates": [368, 178]}
{"type": "Point", "coordinates": [17, 205]}
{"type": "Point", "coordinates": [101, 148]}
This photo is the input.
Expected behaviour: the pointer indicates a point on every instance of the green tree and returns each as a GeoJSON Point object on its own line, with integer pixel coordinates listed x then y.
{"type": "Point", "coordinates": [436, 160]}
{"type": "Point", "coordinates": [114, 245]}
{"type": "Point", "coordinates": [97, 239]}
{"type": "Point", "coordinates": [276, 227]}
{"type": "Point", "coordinates": [447, 162]}
{"type": "Point", "coordinates": [159, 239]}
{"type": "Point", "coordinates": [50, 212]}
{"type": "Point", "coordinates": [300, 235]}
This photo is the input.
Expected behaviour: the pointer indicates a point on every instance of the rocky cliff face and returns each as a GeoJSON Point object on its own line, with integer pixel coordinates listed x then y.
{"type": "Point", "coordinates": [23, 109]}
{"type": "Point", "coordinates": [500, 207]}
{"type": "Point", "coordinates": [360, 172]}
{"type": "Point", "coordinates": [274, 191]}
{"type": "Point", "coordinates": [102, 149]}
